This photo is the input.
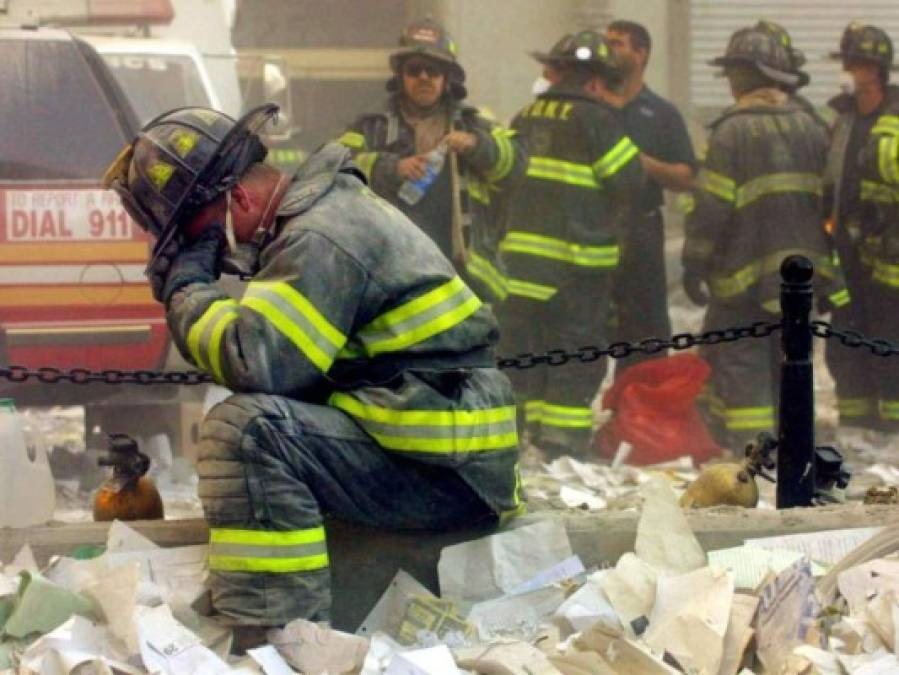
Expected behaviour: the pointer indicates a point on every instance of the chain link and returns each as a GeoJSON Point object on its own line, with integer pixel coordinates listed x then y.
{"type": "Point", "coordinates": [554, 357]}
{"type": "Point", "coordinates": [854, 339]}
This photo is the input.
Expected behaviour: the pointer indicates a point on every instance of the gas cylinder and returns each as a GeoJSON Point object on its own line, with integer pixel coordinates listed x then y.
{"type": "Point", "coordinates": [128, 494]}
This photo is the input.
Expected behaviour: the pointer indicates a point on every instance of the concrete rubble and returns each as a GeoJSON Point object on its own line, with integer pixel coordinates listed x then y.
{"type": "Point", "coordinates": [516, 602]}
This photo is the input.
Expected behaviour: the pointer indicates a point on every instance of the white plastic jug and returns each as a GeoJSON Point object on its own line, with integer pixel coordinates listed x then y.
{"type": "Point", "coordinates": [27, 491]}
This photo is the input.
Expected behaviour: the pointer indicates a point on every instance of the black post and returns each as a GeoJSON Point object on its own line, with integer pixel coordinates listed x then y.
{"type": "Point", "coordinates": [796, 436]}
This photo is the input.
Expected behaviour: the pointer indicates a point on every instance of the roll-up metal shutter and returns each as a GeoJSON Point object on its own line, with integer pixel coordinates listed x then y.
{"type": "Point", "coordinates": [814, 25]}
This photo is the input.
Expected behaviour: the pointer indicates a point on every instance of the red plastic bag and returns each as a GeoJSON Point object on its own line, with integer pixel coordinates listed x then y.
{"type": "Point", "coordinates": [654, 406]}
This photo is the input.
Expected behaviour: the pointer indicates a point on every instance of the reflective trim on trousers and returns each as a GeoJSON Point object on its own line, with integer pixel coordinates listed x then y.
{"type": "Point", "coordinates": [568, 417]}
{"type": "Point", "coordinates": [432, 431]}
{"type": "Point", "coordinates": [482, 270]}
{"type": "Point", "coordinates": [749, 419]}
{"type": "Point", "coordinates": [269, 551]}
{"type": "Point", "coordinates": [527, 289]}
{"type": "Point", "coordinates": [569, 252]}
{"type": "Point", "coordinates": [856, 407]}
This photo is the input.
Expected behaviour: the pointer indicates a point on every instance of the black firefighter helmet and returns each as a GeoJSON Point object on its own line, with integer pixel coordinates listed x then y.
{"type": "Point", "coordinates": [760, 49]}
{"type": "Point", "coordinates": [181, 161]}
{"type": "Point", "coordinates": [797, 57]}
{"type": "Point", "coordinates": [588, 50]}
{"type": "Point", "coordinates": [428, 38]}
{"type": "Point", "coordinates": [866, 43]}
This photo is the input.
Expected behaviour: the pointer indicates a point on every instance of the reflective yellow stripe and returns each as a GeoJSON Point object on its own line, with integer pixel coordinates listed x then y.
{"type": "Point", "coordinates": [717, 184]}
{"type": "Point", "coordinates": [505, 154]}
{"type": "Point", "coordinates": [778, 183]}
{"type": "Point", "coordinates": [889, 410]}
{"type": "Point", "coordinates": [429, 314]}
{"type": "Point", "coordinates": [610, 163]}
{"type": "Point", "coordinates": [855, 407]}
{"type": "Point", "coordinates": [740, 281]}
{"type": "Point", "coordinates": [204, 339]}
{"type": "Point", "coordinates": [432, 431]}
{"type": "Point", "coordinates": [840, 298]}
{"type": "Point", "coordinates": [878, 192]}
{"type": "Point", "coordinates": [570, 417]}
{"type": "Point", "coordinates": [481, 268]}
{"type": "Point", "coordinates": [888, 159]}
{"type": "Point", "coordinates": [686, 203]}
{"type": "Point", "coordinates": [366, 162]}
{"type": "Point", "coordinates": [518, 508]}
{"type": "Point", "coordinates": [886, 124]}
{"type": "Point", "coordinates": [526, 289]}
{"type": "Point", "coordinates": [297, 319]}
{"type": "Point", "coordinates": [533, 411]}
{"type": "Point", "coordinates": [886, 273]}
{"type": "Point", "coordinates": [547, 168]}
{"type": "Point", "coordinates": [558, 249]}
{"type": "Point", "coordinates": [353, 140]}
{"type": "Point", "coordinates": [267, 551]}
{"type": "Point", "coordinates": [742, 419]}
{"type": "Point", "coordinates": [479, 192]}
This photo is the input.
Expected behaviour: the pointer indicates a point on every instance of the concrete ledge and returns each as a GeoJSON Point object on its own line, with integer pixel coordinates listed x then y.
{"type": "Point", "coordinates": [364, 560]}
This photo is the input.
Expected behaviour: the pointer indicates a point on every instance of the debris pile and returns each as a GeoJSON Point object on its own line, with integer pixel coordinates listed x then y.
{"type": "Point", "coordinates": [517, 602]}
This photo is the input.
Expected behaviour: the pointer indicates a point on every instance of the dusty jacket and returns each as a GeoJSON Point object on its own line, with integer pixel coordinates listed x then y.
{"type": "Point", "coordinates": [583, 175]}
{"type": "Point", "coordinates": [379, 141]}
{"type": "Point", "coordinates": [880, 194]}
{"type": "Point", "coordinates": [759, 199]}
{"type": "Point", "coordinates": [355, 307]}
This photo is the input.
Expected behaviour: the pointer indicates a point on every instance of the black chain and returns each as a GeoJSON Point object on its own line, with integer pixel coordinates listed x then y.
{"type": "Point", "coordinates": [854, 339]}
{"type": "Point", "coordinates": [555, 357]}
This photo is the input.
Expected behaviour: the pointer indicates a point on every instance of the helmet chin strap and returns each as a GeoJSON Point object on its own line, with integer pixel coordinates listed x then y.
{"type": "Point", "coordinates": [229, 225]}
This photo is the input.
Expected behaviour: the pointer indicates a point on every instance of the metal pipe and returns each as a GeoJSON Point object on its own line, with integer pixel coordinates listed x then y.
{"type": "Point", "coordinates": [796, 434]}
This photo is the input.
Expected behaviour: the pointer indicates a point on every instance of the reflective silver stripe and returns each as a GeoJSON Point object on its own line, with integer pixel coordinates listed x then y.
{"type": "Point", "coordinates": [253, 551]}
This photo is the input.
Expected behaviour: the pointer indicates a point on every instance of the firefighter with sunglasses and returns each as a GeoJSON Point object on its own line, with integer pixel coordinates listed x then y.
{"type": "Point", "coordinates": [426, 112]}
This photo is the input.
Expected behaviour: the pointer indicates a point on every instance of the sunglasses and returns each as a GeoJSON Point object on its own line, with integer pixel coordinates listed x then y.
{"type": "Point", "coordinates": [416, 68]}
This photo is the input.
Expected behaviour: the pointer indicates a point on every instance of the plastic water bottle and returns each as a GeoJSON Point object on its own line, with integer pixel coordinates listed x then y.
{"type": "Point", "coordinates": [27, 490]}
{"type": "Point", "coordinates": [412, 191]}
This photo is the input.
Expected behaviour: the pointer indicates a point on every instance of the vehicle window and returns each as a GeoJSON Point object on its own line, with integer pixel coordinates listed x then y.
{"type": "Point", "coordinates": [56, 120]}
{"type": "Point", "coordinates": [155, 83]}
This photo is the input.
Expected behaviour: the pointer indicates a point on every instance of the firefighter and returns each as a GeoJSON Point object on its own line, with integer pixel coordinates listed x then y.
{"type": "Point", "coordinates": [758, 200]}
{"type": "Point", "coordinates": [549, 75]}
{"type": "Point", "coordinates": [426, 109]}
{"type": "Point", "coordinates": [561, 247]}
{"type": "Point", "coordinates": [666, 154]}
{"type": "Point", "coordinates": [861, 175]}
{"type": "Point", "coordinates": [363, 364]}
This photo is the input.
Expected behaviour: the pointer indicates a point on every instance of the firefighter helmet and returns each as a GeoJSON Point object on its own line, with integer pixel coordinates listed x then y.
{"type": "Point", "coordinates": [428, 38]}
{"type": "Point", "coordinates": [759, 48]}
{"type": "Point", "coordinates": [182, 160]}
{"type": "Point", "coordinates": [556, 54]}
{"type": "Point", "coordinates": [589, 50]}
{"type": "Point", "coordinates": [866, 43]}
{"type": "Point", "coordinates": [797, 57]}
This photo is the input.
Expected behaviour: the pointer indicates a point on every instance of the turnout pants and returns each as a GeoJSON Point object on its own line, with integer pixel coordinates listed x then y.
{"type": "Point", "coordinates": [555, 400]}
{"type": "Point", "coordinates": [270, 468]}
{"type": "Point", "coordinates": [741, 398]}
{"type": "Point", "coordinates": [641, 288]}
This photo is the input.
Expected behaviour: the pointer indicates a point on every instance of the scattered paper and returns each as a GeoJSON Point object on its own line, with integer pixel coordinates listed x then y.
{"type": "Point", "coordinates": [630, 588]}
{"type": "Point", "coordinates": [23, 561]}
{"type": "Point", "coordinates": [381, 651]}
{"type": "Point", "coordinates": [623, 655]}
{"type": "Point", "coordinates": [826, 547]}
{"type": "Point", "coordinates": [122, 539]}
{"type": "Point", "coordinates": [492, 566]}
{"type": "Point", "coordinates": [786, 616]}
{"type": "Point", "coordinates": [178, 573]}
{"type": "Point", "coordinates": [428, 619]}
{"type": "Point", "coordinates": [76, 642]}
{"type": "Point", "coordinates": [690, 616]}
{"type": "Point", "coordinates": [115, 601]}
{"type": "Point", "coordinates": [505, 657]}
{"type": "Point", "coordinates": [167, 647]}
{"type": "Point", "coordinates": [860, 583]}
{"type": "Point", "coordinates": [664, 538]}
{"type": "Point", "coordinates": [41, 606]}
{"type": "Point", "coordinates": [387, 615]}
{"type": "Point", "coordinates": [567, 569]}
{"type": "Point", "coordinates": [311, 648]}
{"type": "Point", "coordinates": [431, 661]}
{"type": "Point", "coordinates": [587, 605]}
{"type": "Point", "coordinates": [581, 499]}
{"type": "Point", "coordinates": [517, 616]}
{"type": "Point", "coordinates": [750, 564]}
{"type": "Point", "coordinates": [272, 663]}
{"type": "Point", "coordinates": [739, 633]}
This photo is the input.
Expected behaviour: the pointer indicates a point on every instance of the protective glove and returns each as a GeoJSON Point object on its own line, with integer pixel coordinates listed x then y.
{"type": "Point", "coordinates": [198, 261]}
{"type": "Point", "coordinates": [694, 286]}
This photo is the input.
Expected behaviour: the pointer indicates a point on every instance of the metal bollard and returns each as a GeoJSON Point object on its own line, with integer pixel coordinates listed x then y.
{"type": "Point", "coordinates": [796, 435]}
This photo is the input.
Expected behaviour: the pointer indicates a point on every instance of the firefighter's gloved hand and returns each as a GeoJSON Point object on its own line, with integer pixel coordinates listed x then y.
{"type": "Point", "coordinates": [198, 261]}
{"type": "Point", "coordinates": [694, 286]}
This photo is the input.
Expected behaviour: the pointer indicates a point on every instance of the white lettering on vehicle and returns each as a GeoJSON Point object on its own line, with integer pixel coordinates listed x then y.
{"type": "Point", "coordinates": [63, 215]}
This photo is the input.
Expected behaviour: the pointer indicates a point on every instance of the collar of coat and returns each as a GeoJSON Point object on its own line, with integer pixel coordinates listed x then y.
{"type": "Point", "coordinates": [315, 177]}
{"type": "Point", "coordinates": [845, 103]}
